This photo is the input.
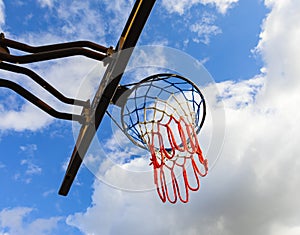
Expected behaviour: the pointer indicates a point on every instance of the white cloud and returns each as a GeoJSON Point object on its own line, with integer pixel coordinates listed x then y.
{"type": "Point", "coordinates": [28, 167]}
{"type": "Point", "coordinates": [290, 230]}
{"type": "Point", "coordinates": [86, 19]}
{"type": "Point", "coordinates": [221, 5]}
{"type": "Point", "coordinates": [80, 19]}
{"type": "Point", "coordinates": [2, 13]}
{"type": "Point", "coordinates": [30, 118]}
{"type": "Point", "coordinates": [32, 169]}
{"type": "Point", "coordinates": [29, 149]}
{"type": "Point", "coordinates": [205, 28]}
{"type": "Point", "coordinates": [181, 6]}
{"type": "Point", "coordinates": [15, 221]}
{"type": "Point", "coordinates": [46, 3]}
{"type": "Point", "coordinates": [119, 11]}
{"type": "Point", "coordinates": [49, 192]}
{"type": "Point", "coordinates": [280, 32]}
{"type": "Point", "coordinates": [254, 188]}
{"type": "Point", "coordinates": [237, 95]}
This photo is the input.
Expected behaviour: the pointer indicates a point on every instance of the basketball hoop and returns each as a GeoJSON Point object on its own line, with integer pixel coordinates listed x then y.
{"type": "Point", "coordinates": [163, 114]}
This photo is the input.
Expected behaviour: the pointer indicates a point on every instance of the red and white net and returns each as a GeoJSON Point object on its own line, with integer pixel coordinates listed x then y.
{"type": "Point", "coordinates": [164, 114]}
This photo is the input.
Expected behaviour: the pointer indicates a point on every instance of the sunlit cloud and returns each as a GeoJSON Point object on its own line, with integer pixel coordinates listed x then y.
{"type": "Point", "coordinates": [2, 14]}
{"type": "Point", "coordinates": [205, 29]}
{"type": "Point", "coordinates": [181, 6]}
{"type": "Point", "coordinates": [254, 186]}
{"type": "Point", "coordinates": [14, 221]}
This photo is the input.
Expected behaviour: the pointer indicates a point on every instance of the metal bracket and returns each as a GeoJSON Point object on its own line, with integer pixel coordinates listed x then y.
{"type": "Point", "coordinates": [49, 52]}
{"type": "Point", "coordinates": [39, 103]}
{"type": "Point", "coordinates": [92, 114]}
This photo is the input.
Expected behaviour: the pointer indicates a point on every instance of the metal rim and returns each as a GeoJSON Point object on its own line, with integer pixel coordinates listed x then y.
{"type": "Point", "coordinates": [157, 77]}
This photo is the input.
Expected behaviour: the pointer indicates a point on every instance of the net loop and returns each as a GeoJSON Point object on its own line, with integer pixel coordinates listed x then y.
{"type": "Point", "coordinates": [159, 158]}
{"type": "Point", "coordinates": [164, 114]}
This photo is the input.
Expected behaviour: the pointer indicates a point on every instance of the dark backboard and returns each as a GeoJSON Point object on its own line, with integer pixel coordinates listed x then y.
{"type": "Point", "coordinates": [107, 88]}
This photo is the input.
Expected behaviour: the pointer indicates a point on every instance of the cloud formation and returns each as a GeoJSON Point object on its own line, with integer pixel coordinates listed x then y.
{"type": "Point", "coordinates": [46, 3]}
{"type": "Point", "coordinates": [12, 221]}
{"type": "Point", "coordinates": [205, 28]}
{"type": "Point", "coordinates": [181, 6]}
{"type": "Point", "coordinates": [253, 188]}
{"type": "Point", "coordinates": [255, 185]}
{"type": "Point", "coordinates": [2, 14]}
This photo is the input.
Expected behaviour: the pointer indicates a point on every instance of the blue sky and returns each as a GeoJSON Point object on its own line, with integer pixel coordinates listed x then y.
{"type": "Point", "coordinates": [250, 48]}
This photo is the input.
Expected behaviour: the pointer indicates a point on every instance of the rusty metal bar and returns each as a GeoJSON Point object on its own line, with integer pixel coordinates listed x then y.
{"type": "Point", "coordinates": [50, 55]}
{"type": "Point", "coordinates": [36, 49]}
{"type": "Point", "coordinates": [39, 103]}
{"type": "Point", "coordinates": [39, 80]}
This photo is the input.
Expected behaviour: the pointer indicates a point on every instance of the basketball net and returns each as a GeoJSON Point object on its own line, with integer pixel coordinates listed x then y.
{"type": "Point", "coordinates": [162, 114]}
{"type": "Point", "coordinates": [165, 162]}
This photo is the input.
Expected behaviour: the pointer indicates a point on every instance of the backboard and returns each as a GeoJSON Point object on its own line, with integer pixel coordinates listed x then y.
{"type": "Point", "coordinates": [107, 88]}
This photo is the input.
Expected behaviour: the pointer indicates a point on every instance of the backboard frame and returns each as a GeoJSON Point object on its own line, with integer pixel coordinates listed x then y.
{"type": "Point", "coordinates": [107, 88]}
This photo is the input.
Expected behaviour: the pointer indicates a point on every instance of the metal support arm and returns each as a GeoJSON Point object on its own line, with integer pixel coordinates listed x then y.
{"type": "Point", "coordinates": [50, 55]}
{"type": "Point", "coordinates": [49, 52]}
{"type": "Point", "coordinates": [39, 103]}
{"type": "Point", "coordinates": [43, 53]}
{"type": "Point", "coordinates": [39, 80]}
{"type": "Point", "coordinates": [36, 49]}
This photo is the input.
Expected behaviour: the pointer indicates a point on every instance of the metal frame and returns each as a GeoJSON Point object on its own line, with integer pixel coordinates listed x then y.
{"type": "Point", "coordinates": [109, 89]}
{"type": "Point", "coordinates": [113, 75]}
{"type": "Point", "coordinates": [40, 81]}
{"type": "Point", "coordinates": [39, 103]}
